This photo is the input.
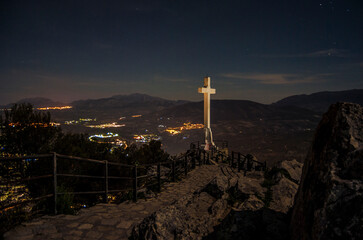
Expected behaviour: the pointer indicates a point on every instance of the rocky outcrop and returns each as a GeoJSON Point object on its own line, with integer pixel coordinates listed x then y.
{"type": "Point", "coordinates": [286, 177]}
{"type": "Point", "coordinates": [283, 194]}
{"type": "Point", "coordinates": [329, 202]}
{"type": "Point", "coordinates": [252, 224]}
{"type": "Point", "coordinates": [294, 168]}
{"type": "Point", "coordinates": [195, 215]}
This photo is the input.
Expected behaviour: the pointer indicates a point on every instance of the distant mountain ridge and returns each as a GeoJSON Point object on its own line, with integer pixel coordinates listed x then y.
{"type": "Point", "coordinates": [227, 110]}
{"type": "Point", "coordinates": [37, 102]}
{"type": "Point", "coordinates": [125, 104]}
{"type": "Point", "coordinates": [124, 100]}
{"type": "Point", "coordinates": [144, 104]}
{"type": "Point", "coordinates": [321, 101]}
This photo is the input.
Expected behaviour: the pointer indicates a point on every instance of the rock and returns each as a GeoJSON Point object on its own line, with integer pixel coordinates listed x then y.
{"type": "Point", "coordinates": [251, 186]}
{"type": "Point", "coordinates": [85, 226]}
{"type": "Point", "coordinates": [218, 186]}
{"type": "Point", "coordinates": [252, 203]}
{"type": "Point", "coordinates": [294, 168]}
{"type": "Point", "coordinates": [283, 194]}
{"type": "Point", "coordinates": [194, 215]}
{"type": "Point", "coordinates": [146, 193]}
{"type": "Point", "coordinates": [329, 201]}
{"type": "Point", "coordinates": [189, 218]}
{"type": "Point", "coordinates": [164, 171]}
{"type": "Point", "coordinates": [249, 225]}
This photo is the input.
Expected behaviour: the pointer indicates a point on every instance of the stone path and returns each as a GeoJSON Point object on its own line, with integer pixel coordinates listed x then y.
{"type": "Point", "coordinates": [110, 221]}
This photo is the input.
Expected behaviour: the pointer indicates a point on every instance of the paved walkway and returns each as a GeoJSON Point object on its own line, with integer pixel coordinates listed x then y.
{"type": "Point", "coordinates": [110, 221]}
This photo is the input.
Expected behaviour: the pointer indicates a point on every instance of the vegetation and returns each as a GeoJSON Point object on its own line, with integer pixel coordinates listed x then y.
{"type": "Point", "coordinates": [24, 131]}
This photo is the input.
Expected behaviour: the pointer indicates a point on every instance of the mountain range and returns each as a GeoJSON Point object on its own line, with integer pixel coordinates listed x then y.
{"type": "Point", "coordinates": [271, 132]}
{"type": "Point", "coordinates": [320, 101]}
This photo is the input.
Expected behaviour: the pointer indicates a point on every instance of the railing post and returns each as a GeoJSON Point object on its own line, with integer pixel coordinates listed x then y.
{"type": "Point", "coordinates": [199, 157]}
{"type": "Point", "coordinates": [159, 177]}
{"type": "Point", "coordinates": [135, 184]}
{"type": "Point", "coordinates": [55, 181]}
{"type": "Point", "coordinates": [232, 159]}
{"type": "Point", "coordinates": [264, 166]}
{"type": "Point", "coordinates": [204, 161]}
{"type": "Point", "coordinates": [239, 162]}
{"type": "Point", "coordinates": [173, 170]}
{"type": "Point", "coordinates": [249, 164]}
{"type": "Point", "coordinates": [193, 160]}
{"type": "Point", "coordinates": [106, 181]}
{"type": "Point", "coordinates": [186, 165]}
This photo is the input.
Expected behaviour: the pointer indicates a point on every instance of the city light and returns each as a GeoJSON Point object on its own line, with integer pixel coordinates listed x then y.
{"type": "Point", "coordinates": [186, 126]}
{"type": "Point", "coordinates": [54, 108]}
{"type": "Point", "coordinates": [106, 125]}
{"type": "Point", "coordinates": [80, 121]}
{"type": "Point", "coordinates": [136, 116]}
{"type": "Point", "coordinates": [145, 138]}
{"type": "Point", "coordinates": [108, 135]}
{"type": "Point", "coordinates": [17, 124]}
{"type": "Point", "coordinates": [108, 138]}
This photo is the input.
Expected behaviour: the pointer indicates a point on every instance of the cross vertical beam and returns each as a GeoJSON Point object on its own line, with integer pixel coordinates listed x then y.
{"type": "Point", "coordinates": [207, 91]}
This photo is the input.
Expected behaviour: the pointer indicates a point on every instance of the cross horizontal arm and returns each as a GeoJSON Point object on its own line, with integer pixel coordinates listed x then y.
{"type": "Point", "coordinates": [207, 90]}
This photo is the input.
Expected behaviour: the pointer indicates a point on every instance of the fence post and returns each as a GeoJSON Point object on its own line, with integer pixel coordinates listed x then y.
{"type": "Point", "coordinates": [193, 160]}
{"type": "Point", "coordinates": [159, 177]}
{"type": "Point", "coordinates": [55, 181]}
{"type": "Point", "coordinates": [264, 166]}
{"type": "Point", "coordinates": [173, 170]}
{"type": "Point", "coordinates": [135, 184]}
{"type": "Point", "coordinates": [186, 165]}
{"type": "Point", "coordinates": [106, 181]}
{"type": "Point", "coordinates": [232, 159]}
{"type": "Point", "coordinates": [199, 157]}
{"type": "Point", "coordinates": [204, 160]}
{"type": "Point", "coordinates": [239, 162]}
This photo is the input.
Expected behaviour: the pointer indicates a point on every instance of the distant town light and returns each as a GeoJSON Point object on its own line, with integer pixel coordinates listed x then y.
{"type": "Point", "coordinates": [106, 125]}
{"type": "Point", "coordinates": [186, 126]}
{"type": "Point", "coordinates": [54, 108]}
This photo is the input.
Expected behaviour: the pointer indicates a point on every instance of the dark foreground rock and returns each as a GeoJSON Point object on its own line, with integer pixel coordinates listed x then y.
{"type": "Point", "coordinates": [250, 225]}
{"type": "Point", "coordinates": [195, 215]}
{"type": "Point", "coordinates": [329, 202]}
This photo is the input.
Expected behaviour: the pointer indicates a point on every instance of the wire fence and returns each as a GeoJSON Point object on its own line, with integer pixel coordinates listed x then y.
{"type": "Point", "coordinates": [42, 183]}
{"type": "Point", "coordinates": [28, 179]}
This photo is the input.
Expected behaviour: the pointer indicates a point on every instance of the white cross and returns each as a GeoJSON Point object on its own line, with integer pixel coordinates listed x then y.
{"type": "Point", "coordinates": [207, 91]}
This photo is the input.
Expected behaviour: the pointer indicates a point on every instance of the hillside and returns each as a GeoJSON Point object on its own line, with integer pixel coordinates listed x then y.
{"type": "Point", "coordinates": [122, 105]}
{"type": "Point", "coordinates": [279, 131]}
{"type": "Point", "coordinates": [37, 102]}
{"type": "Point", "coordinates": [267, 131]}
{"type": "Point", "coordinates": [227, 110]}
{"type": "Point", "coordinates": [321, 101]}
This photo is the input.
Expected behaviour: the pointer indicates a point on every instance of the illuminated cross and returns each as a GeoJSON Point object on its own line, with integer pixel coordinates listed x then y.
{"type": "Point", "coordinates": [207, 91]}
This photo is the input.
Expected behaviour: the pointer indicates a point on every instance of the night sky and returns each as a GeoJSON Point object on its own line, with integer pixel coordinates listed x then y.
{"type": "Point", "coordinates": [255, 50]}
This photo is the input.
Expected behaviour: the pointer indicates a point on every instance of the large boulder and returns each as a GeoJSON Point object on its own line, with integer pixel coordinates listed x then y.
{"type": "Point", "coordinates": [283, 194]}
{"type": "Point", "coordinates": [192, 216]}
{"type": "Point", "coordinates": [329, 201]}
{"type": "Point", "coordinates": [294, 168]}
{"type": "Point", "coordinates": [250, 225]}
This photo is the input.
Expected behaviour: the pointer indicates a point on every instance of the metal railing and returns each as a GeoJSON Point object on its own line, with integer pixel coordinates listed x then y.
{"type": "Point", "coordinates": [136, 176]}
{"type": "Point", "coordinates": [235, 159]}
{"type": "Point", "coordinates": [128, 178]}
